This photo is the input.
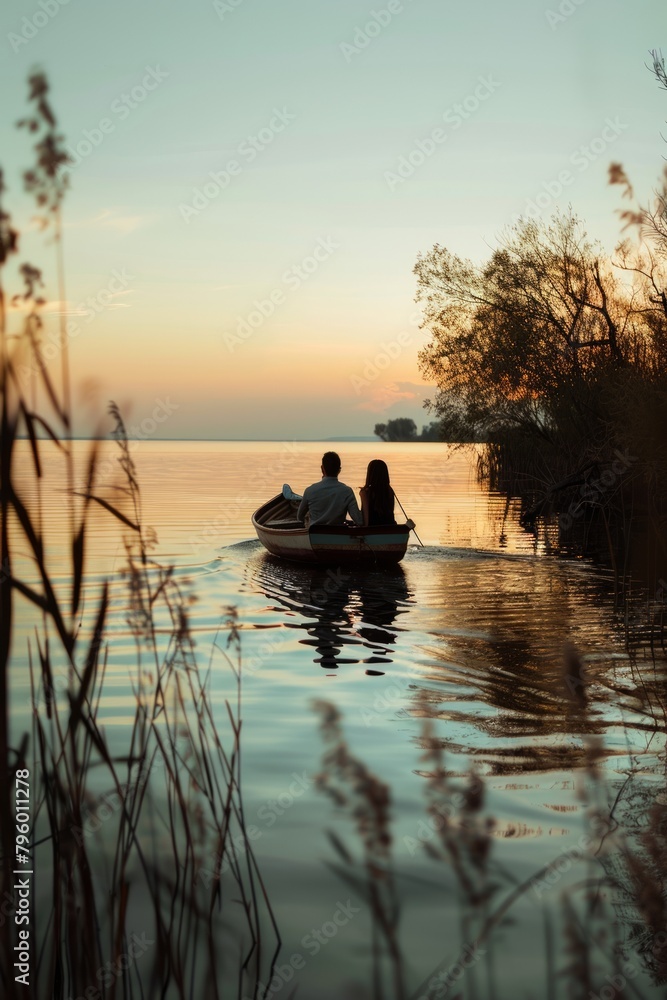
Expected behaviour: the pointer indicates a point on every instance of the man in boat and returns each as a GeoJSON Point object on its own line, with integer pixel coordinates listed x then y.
{"type": "Point", "coordinates": [329, 501]}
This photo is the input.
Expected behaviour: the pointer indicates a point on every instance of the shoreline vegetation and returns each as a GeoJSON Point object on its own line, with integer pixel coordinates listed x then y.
{"type": "Point", "coordinates": [405, 429]}
{"type": "Point", "coordinates": [120, 840]}
{"type": "Point", "coordinates": [130, 903]}
{"type": "Point", "coordinates": [554, 355]}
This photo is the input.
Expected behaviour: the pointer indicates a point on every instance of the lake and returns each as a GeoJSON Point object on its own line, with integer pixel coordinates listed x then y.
{"type": "Point", "coordinates": [467, 633]}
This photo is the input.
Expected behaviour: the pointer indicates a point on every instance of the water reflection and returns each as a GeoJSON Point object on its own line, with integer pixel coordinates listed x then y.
{"type": "Point", "coordinates": [481, 651]}
{"type": "Point", "coordinates": [348, 616]}
{"type": "Point", "coordinates": [502, 668]}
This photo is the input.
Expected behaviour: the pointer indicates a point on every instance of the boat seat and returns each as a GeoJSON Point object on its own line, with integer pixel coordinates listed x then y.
{"type": "Point", "coordinates": [285, 524]}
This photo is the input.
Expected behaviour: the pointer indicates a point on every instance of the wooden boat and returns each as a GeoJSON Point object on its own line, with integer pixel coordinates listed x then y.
{"type": "Point", "coordinates": [333, 544]}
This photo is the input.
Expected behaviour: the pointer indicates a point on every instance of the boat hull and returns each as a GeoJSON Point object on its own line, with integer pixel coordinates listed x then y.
{"type": "Point", "coordinates": [340, 545]}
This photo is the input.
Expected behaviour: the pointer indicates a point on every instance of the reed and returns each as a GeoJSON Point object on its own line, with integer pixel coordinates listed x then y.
{"type": "Point", "coordinates": [352, 785]}
{"type": "Point", "coordinates": [609, 924]}
{"type": "Point", "coordinates": [128, 905]}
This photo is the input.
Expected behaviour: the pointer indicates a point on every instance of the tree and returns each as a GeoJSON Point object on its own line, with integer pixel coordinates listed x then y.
{"type": "Point", "coordinates": [647, 261]}
{"type": "Point", "coordinates": [525, 340]}
{"type": "Point", "coordinates": [400, 429]}
{"type": "Point", "coordinates": [431, 432]}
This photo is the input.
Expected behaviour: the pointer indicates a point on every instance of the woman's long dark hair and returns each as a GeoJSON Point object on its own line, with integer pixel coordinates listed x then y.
{"type": "Point", "coordinates": [380, 493]}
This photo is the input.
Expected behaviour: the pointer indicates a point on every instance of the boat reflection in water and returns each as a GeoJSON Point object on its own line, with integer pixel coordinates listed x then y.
{"type": "Point", "coordinates": [347, 615]}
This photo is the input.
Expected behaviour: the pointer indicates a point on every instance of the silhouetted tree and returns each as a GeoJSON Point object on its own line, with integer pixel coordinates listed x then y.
{"type": "Point", "coordinates": [400, 429]}
{"type": "Point", "coordinates": [431, 432]}
{"type": "Point", "coordinates": [528, 339]}
{"type": "Point", "coordinates": [647, 261]}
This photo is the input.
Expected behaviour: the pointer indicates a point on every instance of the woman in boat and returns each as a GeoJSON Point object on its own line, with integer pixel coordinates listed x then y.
{"type": "Point", "coordinates": [377, 496]}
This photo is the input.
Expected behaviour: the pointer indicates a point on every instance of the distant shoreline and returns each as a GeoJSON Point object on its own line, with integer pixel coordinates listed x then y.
{"type": "Point", "coordinates": [332, 440]}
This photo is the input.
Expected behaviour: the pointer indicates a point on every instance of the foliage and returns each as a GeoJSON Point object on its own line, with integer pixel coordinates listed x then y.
{"type": "Point", "coordinates": [555, 355]}
{"type": "Point", "coordinates": [610, 912]}
{"type": "Point", "coordinates": [400, 429]}
{"type": "Point", "coordinates": [539, 337]}
{"type": "Point", "coordinates": [550, 336]}
{"type": "Point", "coordinates": [120, 834]}
{"type": "Point", "coordinates": [405, 429]}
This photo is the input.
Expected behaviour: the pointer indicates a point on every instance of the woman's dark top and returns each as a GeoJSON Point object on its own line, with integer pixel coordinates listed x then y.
{"type": "Point", "coordinates": [379, 512]}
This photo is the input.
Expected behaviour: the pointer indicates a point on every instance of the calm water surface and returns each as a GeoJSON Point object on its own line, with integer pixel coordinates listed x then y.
{"type": "Point", "coordinates": [472, 625]}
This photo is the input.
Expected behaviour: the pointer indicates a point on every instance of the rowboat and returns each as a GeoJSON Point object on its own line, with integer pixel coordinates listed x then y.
{"type": "Point", "coordinates": [283, 535]}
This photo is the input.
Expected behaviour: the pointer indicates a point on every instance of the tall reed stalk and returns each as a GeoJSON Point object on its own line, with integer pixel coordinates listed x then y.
{"type": "Point", "coordinates": [610, 919]}
{"type": "Point", "coordinates": [120, 837]}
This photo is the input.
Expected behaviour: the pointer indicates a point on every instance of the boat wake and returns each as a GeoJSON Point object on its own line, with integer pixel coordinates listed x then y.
{"type": "Point", "coordinates": [414, 553]}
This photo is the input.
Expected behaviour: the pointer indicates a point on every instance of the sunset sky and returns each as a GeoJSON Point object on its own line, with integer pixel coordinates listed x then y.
{"type": "Point", "coordinates": [308, 113]}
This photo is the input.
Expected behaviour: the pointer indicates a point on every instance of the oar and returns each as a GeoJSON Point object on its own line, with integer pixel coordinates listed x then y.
{"type": "Point", "coordinates": [408, 519]}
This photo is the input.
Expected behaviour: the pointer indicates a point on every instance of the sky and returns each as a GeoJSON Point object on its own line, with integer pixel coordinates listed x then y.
{"type": "Point", "coordinates": [254, 181]}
